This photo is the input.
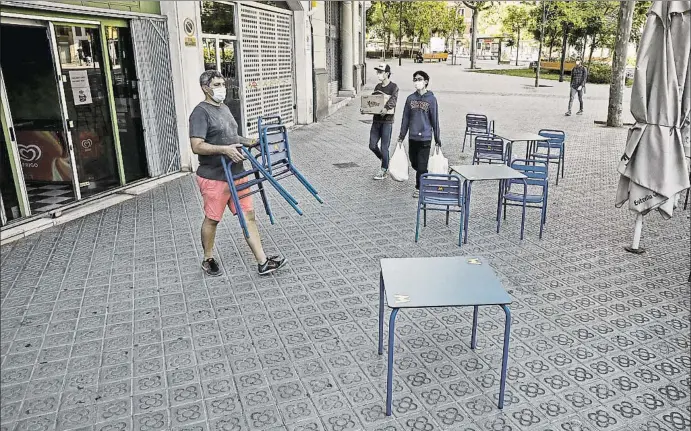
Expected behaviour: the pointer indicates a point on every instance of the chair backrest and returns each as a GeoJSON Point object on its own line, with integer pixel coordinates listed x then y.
{"type": "Point", "coordinates": [477, 123]}
{"type": "Point", "coordinates": [489, 145]}
{"type": "Point", "coordinates": [274, 140]}
{"type": "Point", "coordinates": [440, 186]}
{"type": "Point", "coordinates": [267, 121]}
{"type": "Point", "coordinates": [535, 171]}
{"type": "Point", "coordinates": [556, 138]}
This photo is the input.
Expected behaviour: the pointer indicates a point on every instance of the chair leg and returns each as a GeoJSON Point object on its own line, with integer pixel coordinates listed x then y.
{"type": "Point", "coordinates": [389, 374]}
{"type": "Point", "coordinates": [447, 215]}
{"type": "Point", "coordinates": [563, 162]}
{"type": "Point", "coordinates": [460, 231]}
{"type": "Point", "coordinates": [417, 224]}
{"type": "Point", "coordinates": [686, 201]}
{"type": "Point", "coordinates": [505, 356]}
{"type": "Point", "coordinates": [542, 218]}
{"type": "Point", "coordinates": [558, 168]}
{"type": "Point", "coordinates": [424, 216]}
{"type": "Point", "coordinates": [381, 314]}
{"type": "Point", "coordinates": [525, 193]}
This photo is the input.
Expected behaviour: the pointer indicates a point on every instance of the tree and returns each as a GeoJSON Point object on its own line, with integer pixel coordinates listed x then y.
{"type": "Point", "coordinates": [517, 18]}
{"type": "Point", "coordinates": [451, 22]}
{"type": "Point", "coordinates": [382, 20]}
{"type": "Point", "coordinates": [616, 89]}
{"type": "Point", "coordinates": [476, 6]}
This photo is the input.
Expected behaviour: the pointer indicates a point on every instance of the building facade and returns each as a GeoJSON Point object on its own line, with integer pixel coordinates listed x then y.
{"type": "Point", "coordinates": [96, 95]}
{"type": "Point", "coordinates": [83, 108]}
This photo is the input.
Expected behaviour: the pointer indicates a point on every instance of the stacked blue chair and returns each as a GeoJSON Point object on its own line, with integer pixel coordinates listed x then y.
{"type": "Point", "coordinates": [273, 138]}
{"type": "Point", "coordinates": [476, 125]}
{"type": "Point", "coordinates": [537, 177]}
{"type": "Point", "coordinates": [490, 149]}
{"type": "Point", "coordinates": [551, 151]}
{"type": "Point", "coordinates": [439, 192]}
{"type": "Point", "coordinates": [270, 164]}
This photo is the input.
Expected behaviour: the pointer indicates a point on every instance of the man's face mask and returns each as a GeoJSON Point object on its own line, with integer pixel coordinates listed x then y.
{"type": "Point", "coordinates": [419, 84]}
{"type": "Point", "coordinates": [381, 76]}
{"type": "Point", "coordinates": [218, 94]}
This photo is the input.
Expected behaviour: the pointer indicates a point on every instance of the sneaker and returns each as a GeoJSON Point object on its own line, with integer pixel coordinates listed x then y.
{"type": "Point", "coordinates": [416, 193]}
{"type": "Point", "coordinates": [272, 264]}
{"type": "Point", "coordinates": [579, 112]}
{"type": "Point", "coordinates": [383, 173]}
{"type": "Point", "coordinates": [210, 266]}
{"type": "Point", "coordinates": [568, 113]}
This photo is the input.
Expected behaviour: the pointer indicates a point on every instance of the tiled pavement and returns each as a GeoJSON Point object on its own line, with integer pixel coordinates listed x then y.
{"type": "Point", "coordinates": [108, 323]}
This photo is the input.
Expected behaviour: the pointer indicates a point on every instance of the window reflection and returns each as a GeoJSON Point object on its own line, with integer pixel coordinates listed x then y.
{"type": "Point", "coordinates": [218, 18]}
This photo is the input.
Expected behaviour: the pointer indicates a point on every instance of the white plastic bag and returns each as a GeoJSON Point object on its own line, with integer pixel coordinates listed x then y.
{"type": "Point", "coordinates": [437, 164]}
{"type": "Point", "coordinates": [398, 165]}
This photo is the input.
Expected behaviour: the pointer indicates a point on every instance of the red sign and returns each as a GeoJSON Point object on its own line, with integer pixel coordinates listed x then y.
{"type": "Point", "coordinates": [43, 156]}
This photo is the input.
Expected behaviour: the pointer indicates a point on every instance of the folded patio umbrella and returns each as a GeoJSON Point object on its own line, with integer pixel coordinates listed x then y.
{"type": "Point", "coordinates": [654, 167]}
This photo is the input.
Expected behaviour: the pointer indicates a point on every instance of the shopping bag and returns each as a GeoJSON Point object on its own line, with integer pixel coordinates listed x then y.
{"type": "Point", "coordinates": [437, 164]}
{"type": "Point", "coordinates": [398, 165]}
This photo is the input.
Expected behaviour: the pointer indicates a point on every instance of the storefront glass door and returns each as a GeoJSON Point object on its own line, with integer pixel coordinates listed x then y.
{"type": "Point", "coordinates": [34, 103]}
{"type": "Point", "coordinates": [88, 111]}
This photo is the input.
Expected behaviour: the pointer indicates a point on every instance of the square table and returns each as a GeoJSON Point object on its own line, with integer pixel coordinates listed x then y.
{"type": "Point", "coordinates": [471, 173]}
{"type": "Point", "coordinates": [530, 139]}
{"type": "Point", "coordinates": [440, 282]}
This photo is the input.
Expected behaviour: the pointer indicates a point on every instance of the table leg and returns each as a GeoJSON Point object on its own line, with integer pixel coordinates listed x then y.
{"type": "Point", "coordinates": [505, 355]}
{"type": "Point", "coordinates": [473, 336]}
{"type": "Point", "coordinates": [389, 375]}
{"type": "Point", "coordinates": [509, 151]}
{"type": "Point", "coordinates": [499, 196]}
{"type": "Point", "coordinates": [468, 187]}
{"type": "Point", "coordinates": [525, 195]}
{"type": "Point", "coordinates": [381, 313]}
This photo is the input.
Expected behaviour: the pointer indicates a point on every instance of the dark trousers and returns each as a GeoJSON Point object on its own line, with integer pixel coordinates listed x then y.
{"type": "Point", "coordinates": [381, 131]}
{"type": "Point", "coordinates": [573, 94]}
{"type": "Point", "coordinates": [419, 156]}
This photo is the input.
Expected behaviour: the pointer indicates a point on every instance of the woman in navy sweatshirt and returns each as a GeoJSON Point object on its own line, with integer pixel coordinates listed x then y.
{"type": "Point", "coordinates": [421, 120]}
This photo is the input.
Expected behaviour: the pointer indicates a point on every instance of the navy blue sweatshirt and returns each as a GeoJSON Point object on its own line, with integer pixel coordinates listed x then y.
{"type": "Point", "coordinates": [421, 118]}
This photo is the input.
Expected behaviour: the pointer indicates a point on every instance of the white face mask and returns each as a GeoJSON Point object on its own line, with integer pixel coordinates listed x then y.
{"type": "Point", "coordinates": [219, 94]}
{"type": "Point", "coordinates": [419, 85]}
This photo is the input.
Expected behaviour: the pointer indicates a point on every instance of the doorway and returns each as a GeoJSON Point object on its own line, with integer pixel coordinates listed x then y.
{"type": "Point", "coordinates": [37, 123]}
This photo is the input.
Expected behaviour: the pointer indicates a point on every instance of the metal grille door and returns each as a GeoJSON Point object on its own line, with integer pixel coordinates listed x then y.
{"type": "Point", "coordinates": [332, 12]}
{"type": "Point", "coordinates": [152, 58]}
{"type": "Point", "coordinates": [267, 65]}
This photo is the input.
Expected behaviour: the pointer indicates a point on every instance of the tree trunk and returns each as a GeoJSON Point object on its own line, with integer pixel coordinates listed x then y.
{"type": "Point", "coordinates": [592, 49]}
{"type": "Point", "coordinates": [473, 40]}
{"type": "Point", "coordinates": [518, 46]}
{"type": "Point", "coordinates": [616, 89]}
{"type": "Point", "coordinates": [564, 42]}
{"type": "Point", "coordinates": [585, 42]}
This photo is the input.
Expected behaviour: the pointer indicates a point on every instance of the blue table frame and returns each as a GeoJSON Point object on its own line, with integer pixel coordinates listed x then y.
{"type": "Point", "coordinates": [471, 173]}
{"type": "Point", "coordinates": [531, 140]}
{"type": "Point", "coordinates": [440, 282]}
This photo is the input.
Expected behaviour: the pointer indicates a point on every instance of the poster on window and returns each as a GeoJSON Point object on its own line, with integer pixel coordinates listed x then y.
{"type": "Point", "coordinates": [43, 156]}
{"type": "Point", "coordinates": [81, 92]}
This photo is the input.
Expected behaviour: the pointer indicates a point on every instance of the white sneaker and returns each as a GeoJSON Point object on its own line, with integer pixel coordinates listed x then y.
{"type": "Point", "coordinates": [383, 173]}
{"type": "Point", "coordinates": [416, 193]}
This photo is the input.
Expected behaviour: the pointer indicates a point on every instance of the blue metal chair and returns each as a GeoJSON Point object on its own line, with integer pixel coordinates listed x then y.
{"type": "Point", "coordinates": [276, 159]}
{"type": "Point", "coordinates": [490, 149]}
{"type": "Point", "coordinates": [439, 192]}
{"type": "Point", "coordinates": [537, 176]}
{"type": "Point", "coordinates": [551, 151]}
{"type": "Point", "coordinates": [476, 125]}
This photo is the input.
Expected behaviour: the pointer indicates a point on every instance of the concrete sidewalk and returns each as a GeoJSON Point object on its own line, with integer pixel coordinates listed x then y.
{"type": "Point", "coordinates": [109, 324]}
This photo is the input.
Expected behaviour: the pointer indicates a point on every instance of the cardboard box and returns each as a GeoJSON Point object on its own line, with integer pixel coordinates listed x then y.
{"type": "Point", "coordinates": [374, 104]}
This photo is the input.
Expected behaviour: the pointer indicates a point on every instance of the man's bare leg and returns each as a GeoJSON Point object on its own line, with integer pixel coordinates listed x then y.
{"type": "Point", "coordinates": [208, 237]}
{"type": "Point", "coordinates": [254, 241]}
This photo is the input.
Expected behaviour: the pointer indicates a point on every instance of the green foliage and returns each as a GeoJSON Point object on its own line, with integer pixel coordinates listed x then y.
{"type": "Point", "coordinates": [600, 73]}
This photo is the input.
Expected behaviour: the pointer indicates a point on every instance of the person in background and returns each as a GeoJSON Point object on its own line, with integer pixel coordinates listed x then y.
{"type": "Point", "coordinates": [579, 76]}
{"type": "Point", "coordinates": [382, 124]}
{"type": "Point", "coordinates": [421, 120]}
{"type": "Point", "coordinates": [213, 135]}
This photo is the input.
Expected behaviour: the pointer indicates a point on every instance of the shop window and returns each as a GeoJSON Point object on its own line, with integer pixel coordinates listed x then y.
{"type": "Point", "coordinates": [218, 18]}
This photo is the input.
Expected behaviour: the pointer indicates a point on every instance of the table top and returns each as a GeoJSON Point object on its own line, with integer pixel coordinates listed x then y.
{"type": "Point", "coordinates": [487, 172]}
{"type": "Point", "coordinates": [520, 136]}
{"type": "Point", "coordinates": [441, 282]}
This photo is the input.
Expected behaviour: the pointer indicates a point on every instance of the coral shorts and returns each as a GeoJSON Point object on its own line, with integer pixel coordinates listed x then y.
{"type": "Point", "coordinates": [216, 196]}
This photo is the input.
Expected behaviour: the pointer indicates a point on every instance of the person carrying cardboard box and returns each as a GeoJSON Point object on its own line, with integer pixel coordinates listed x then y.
{"type": "Point", "coordinates": [382, 122]}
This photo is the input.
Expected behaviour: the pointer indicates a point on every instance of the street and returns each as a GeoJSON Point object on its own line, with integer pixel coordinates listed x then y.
{"type": "Point", "coordinates": [108, 322]}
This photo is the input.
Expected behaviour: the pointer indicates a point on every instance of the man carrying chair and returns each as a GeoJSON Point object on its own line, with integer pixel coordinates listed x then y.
{"type": "Point", "coordinates": [214, 135]}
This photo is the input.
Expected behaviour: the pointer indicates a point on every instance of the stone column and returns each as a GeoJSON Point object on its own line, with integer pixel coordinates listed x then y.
{"type": "Point", "coordinates": [356, 45]}
{"type": "Point", "coordinates": [347, 89]}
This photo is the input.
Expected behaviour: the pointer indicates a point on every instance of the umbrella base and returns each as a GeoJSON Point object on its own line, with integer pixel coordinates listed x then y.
{"type": "Point", "coordinates": [639, 250]}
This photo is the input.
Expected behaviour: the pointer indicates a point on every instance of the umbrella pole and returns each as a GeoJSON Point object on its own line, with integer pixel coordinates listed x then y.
{"type": "Point", "coordinates": [638, 227]}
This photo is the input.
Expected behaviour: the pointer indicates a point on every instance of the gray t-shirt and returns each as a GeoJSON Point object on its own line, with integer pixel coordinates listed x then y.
{"type": "Point", "coordinates": [216, 126]}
